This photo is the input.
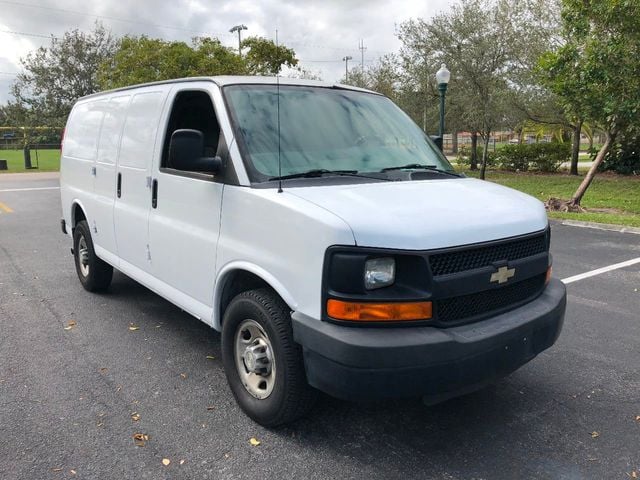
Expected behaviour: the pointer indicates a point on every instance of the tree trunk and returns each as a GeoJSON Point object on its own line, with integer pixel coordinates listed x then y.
{"type": "Point", "coordinates": [577, 197]}
{"type": "Point", "coordinates": [575, 148]}
{"type": "Point", "coordinates": [485, 155]}
{"type": "Point", "coordinates": [454, 142]}
{"type": "Point", "coordinates": [474, 151]}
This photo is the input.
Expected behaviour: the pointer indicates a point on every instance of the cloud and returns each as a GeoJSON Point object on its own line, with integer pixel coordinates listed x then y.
{"type": "Point", "coordinates": [321, 33]}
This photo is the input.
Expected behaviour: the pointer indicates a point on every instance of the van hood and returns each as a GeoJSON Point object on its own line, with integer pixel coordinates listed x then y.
{"type": "Point", "coordinates": [428, 214]}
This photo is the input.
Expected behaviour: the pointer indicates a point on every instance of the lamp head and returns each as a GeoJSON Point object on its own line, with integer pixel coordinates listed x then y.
{"type": "Point", "coordinates": [443, 75]}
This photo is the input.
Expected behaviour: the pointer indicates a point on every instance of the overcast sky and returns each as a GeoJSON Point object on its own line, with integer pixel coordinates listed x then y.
{"type": "Point", "coordinates": [321, 33]}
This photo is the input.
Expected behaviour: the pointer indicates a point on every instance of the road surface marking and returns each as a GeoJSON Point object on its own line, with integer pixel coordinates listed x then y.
{"type": "Point", "coordinates": [4, 208]}
{"type": "Point", "coordinates": [598, 271]}
{"type": "Point", "coordinates": [29, 189]}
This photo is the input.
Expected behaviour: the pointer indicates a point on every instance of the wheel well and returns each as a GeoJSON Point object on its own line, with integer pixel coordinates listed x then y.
{"type": "Point", "coordinates": [77, 214]}
{"type": "Point", "coordinates": [237, 282]}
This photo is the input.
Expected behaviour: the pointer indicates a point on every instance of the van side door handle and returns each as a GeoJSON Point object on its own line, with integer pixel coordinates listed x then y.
{"type": "Point", "coordinates": [154, 193]}
{"type": "Point", "coordinates": [119, 186]}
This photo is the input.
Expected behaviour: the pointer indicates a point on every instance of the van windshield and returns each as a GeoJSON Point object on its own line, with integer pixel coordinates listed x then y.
{"type": "Point", "coordinates": [325, 129]}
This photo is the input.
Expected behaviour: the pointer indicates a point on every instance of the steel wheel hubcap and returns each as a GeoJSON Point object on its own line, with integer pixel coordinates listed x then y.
{"type": "Point", "coordinates": [254, 359]}
{"type": "Point", "coordinates": [83, 256]}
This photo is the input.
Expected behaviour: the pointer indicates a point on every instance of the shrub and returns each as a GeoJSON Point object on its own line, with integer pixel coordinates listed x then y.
{"type": "Point", "coordinates": [464, 156]}
{"type": "Point", "coordinates": [543, 157]}
{"type": "Point", "coordinates": [624, 156]}
{"type": "Point", "coordinates": [551, 156]}
{"type": "Point", "coordinates": [514, 157]}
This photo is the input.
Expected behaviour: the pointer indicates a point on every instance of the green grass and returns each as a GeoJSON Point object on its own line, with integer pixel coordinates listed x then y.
{"type": "Point", "coordinates": [48, 160]}
{"type": "Point", "coordinates": [607, 191]}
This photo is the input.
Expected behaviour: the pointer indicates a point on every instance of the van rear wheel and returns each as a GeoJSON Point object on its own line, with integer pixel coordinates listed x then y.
{"type": "Point", "coordinates": [94, 274]}
{"type": "Point", "coordinates": [263, 364]}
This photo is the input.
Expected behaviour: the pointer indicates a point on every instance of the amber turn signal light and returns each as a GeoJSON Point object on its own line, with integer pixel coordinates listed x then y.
{"type": "Point", "coordinates": [548, 277]}
{"type": "Point", "coordinates": [378, 312]}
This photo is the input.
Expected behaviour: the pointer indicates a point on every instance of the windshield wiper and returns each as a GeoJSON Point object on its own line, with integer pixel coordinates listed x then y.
{"type": "Point", "coordinates": [419, 166]}
{"type": "Point", "coordinates": [319, 172]}
{"type": "Point", "coordinates": [316, 172]}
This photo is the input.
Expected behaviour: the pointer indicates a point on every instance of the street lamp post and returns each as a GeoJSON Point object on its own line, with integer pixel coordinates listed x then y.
{"type": "Point", "coordinates": [442, 78]}
{"type": "Point", "coordinates": [239, 28]}
{"type": "Point", "coordinates": [346, 67]}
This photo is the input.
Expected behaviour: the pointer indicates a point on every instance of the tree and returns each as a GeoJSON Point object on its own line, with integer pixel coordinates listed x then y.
{"type": "Point", "coordinates": [595, 72]}
{"type": "Point", "coordinates": [265, 57]}
{"type": "Point", "coordinates": [304, 74]}
{"type": "Point", "coordinates": [143, 59]}
{"type": "Point", "coordinates": [489, 46]}
{"type": "Point", "coordinates": [4, 116]}
{"type": "Point", "coordinates": [529, 96]}
{"type": "Point", "coordinates": [382, 77]}
{"type": "Point", "coordinates": [478, 41]}
{"type": "Point", "coordinates": [14, 114]}
{"type": "Point", "coordinates": [55, 77]}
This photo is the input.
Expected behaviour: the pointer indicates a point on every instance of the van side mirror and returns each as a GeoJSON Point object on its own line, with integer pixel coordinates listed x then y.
{"type": "Point", "coordinates": [186, 151]}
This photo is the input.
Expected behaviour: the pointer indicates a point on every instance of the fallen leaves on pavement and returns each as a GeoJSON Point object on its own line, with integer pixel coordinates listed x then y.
{"type": "Point", "coordinates": [135, 416]}
{"type": "Point", "coordinates": [140, 439]}
{"type": "Point", "coordinates": [211, 407]}
{"type": "Point", "coordinates": [166, 461]}
{"type": "Point", "coordinates": [133, 327]}
{"type": "Point", "coordinates": [70, 324]}
{"type": "Point", "coordinates": [254, 441]}
{"type": "Point", "coordinates": [210, 357]}
{"type": "Point", "coordinates": [595, 434]}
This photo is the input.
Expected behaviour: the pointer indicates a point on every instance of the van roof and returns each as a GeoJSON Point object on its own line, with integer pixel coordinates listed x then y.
{"type": "Point", "coordinates": [224, 80]}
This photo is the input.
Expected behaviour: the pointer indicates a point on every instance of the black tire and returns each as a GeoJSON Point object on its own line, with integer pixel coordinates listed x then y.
{"type": "Point", "coordinates": [96, 274]}
{"type": "Point", "coordinates": [291, 396]}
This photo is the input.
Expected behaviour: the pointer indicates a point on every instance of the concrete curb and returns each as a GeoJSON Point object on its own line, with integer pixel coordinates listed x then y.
{"type": "Point", "coordinates": [600, 226]}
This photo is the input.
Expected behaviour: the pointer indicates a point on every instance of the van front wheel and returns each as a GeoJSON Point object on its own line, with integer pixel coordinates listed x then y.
{"type": "Point", "coordinates": [94, 274]}
{"type": "Point", "coordinates": [263, 364]}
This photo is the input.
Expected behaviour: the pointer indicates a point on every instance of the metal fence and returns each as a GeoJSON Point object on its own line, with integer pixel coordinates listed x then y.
{"type": "Point", "coordinates": [32, 146]}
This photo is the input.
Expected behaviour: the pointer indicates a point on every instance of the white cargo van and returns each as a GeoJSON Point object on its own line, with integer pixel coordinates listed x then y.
{"type": "Point", "coordinates": [318, 229]}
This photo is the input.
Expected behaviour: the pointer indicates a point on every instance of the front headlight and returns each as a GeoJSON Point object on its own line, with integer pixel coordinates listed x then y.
{"type": "Point", "coordinates": [379, 272]}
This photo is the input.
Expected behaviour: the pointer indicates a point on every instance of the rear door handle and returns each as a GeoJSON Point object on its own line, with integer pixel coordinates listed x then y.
{"type": "Point", "coordinates": [154, 193]}
{"type": "Point", "coordinates": [119, 187]}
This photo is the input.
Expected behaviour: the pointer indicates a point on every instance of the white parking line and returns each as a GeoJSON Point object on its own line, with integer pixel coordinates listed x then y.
{"type": "Point", "coordinates": [28, 189]}
{"type": "Point", "coordinates": [598, 271]}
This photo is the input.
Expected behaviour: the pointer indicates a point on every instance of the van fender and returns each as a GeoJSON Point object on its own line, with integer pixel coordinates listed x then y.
{"type": "Point", "coordinates": [78, 202]}
{"type": "Point", "coordinates": [269, 279]}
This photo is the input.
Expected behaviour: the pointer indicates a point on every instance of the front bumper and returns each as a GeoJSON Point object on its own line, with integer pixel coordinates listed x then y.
{"type": "Point", "coordinates": [371, 363]}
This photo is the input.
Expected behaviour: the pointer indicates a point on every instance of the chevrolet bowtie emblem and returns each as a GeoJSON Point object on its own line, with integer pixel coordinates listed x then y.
{"type": "Point", "coordinates": [503, 275]}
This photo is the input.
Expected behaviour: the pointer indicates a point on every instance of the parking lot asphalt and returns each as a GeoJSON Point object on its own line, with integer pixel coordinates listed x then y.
{"type": "Point", "coordinates": [67, 396]}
